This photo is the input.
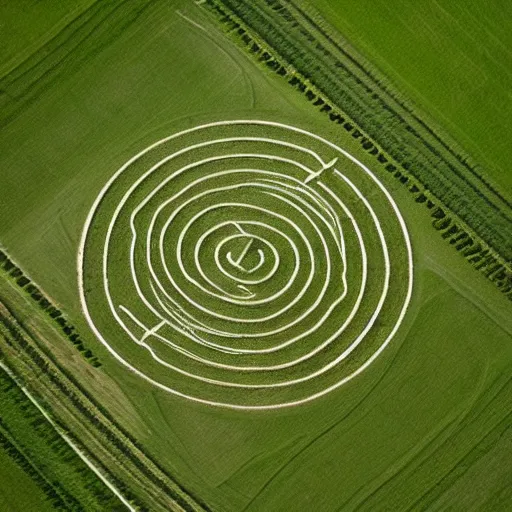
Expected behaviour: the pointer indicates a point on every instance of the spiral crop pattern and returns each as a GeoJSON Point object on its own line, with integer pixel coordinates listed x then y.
{"type": "Point", "coordinates": [245, 264]}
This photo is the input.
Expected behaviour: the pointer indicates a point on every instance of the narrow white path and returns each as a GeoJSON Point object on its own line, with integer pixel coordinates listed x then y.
{"type": "Point", "coordinates": [312, 214]}
{"type": "Point", "coordinates": [75, 448]}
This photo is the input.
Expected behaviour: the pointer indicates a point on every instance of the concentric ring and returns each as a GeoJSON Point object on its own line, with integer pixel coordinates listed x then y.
{"type": "Point", "coordinates": [245, 264]}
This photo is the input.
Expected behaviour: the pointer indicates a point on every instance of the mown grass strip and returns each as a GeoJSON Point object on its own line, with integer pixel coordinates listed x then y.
{"type": "Point", "coordinates": [40, 450]}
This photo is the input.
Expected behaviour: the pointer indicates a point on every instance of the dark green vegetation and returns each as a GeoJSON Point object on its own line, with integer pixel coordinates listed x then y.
{"type": "Point", "coordinates": [19, 490]}
{"type": "Point", "coordinates": [137, 476]}
{"type": "Point", "coordinates": [32, 442]}
{"type": "Point", "coordinates": [349, 85]}
{"type": "Point", "coordinates": [427, 426]}
{"type": "Point", "coordinates": [16, 274]}
{"type": "Point", "coordinates": [466, 236]}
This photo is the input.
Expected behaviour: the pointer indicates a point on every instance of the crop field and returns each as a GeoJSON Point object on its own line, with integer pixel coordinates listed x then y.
{"type": "Point", "coordinates": [273, 246]}
{"type": "Point", "coordinates": [225, 287]}
{"type": "Point", "coordinates": [451, 58]}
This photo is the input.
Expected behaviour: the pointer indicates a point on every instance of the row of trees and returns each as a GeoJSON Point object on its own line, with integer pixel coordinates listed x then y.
{"type": "Point", "coordinates": [34, 444]}
{"type": "Point", "coordinates": [121, 445]}
{"type": "Point", "coordinates": [493, 263]}
{"type": "Point", "coordinates": [119, 484]}
{"type": "Point", "coordinates": [24, 282]}
{"type": "Point", "coordinates": [405, 140]}
{"type": "Point", "coordinates": [482, 257]}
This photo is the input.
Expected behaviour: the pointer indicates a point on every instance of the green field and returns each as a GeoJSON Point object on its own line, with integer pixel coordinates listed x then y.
{"type": "Point", "coordinates": [452, 59]}
{"type": "Point", "coordinates": [19, 491]}
{"type": "Point", "coordinates": [427, 425]}
{"type": "Point", "coordinates": [19, 40]}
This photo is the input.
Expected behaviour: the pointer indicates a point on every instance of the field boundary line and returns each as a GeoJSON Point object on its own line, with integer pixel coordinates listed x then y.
{"type": "Point", "coordinates": [75, 448]}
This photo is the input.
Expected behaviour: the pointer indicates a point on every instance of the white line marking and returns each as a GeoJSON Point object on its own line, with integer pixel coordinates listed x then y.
{"type": "Point", "coordinates": [237, 226]}
{"type": "Point", "coordinates": [299, 203]}
{"type": "Point", "coordinates": [236, 263]}
{"type": "Point", "coordinates": [152, 331]}
{"type": "Point", "coordinates": [329, 165]}
{"type": "Point", "coordinates": [75, 448]}
{"type": "Point", "coordinates": [133, 317]}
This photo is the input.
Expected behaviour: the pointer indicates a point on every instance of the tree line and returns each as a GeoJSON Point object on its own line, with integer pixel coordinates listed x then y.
{"type": "Point", "coordinates": [412, 147]}
{"type": "Point", "coordinates": [483, 256]}
{"type": "Point", "coordinates": [13, 271]}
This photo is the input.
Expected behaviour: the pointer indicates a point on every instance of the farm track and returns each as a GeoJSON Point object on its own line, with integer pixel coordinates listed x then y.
{"type": "Point", "coordinates": [310, 52]}
{"type": "Point", "coordinates": [40, 475]}
{"type": "Point", "coordinates": [105, 445]}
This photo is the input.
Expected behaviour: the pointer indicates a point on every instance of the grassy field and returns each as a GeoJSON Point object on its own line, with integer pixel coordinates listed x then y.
{"type": "Point", "coordinates": [452, 59]}
{"type": "Point", "coordinates": [426, 425]}
{"type": "Point", "coordinates": [44, 455]}
{"type": "Point", "coordinates": [19, 40]}
{"type": "Point", "coordinates": [19, 491]}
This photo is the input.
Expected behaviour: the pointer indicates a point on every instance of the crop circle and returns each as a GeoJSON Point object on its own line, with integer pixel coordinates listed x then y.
{"type": "Point", "coordinates": [246, 264]}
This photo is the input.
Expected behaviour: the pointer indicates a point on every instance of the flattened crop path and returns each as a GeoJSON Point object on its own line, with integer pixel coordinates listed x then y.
{"type": "Point", "coordinates": [245, 264]}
